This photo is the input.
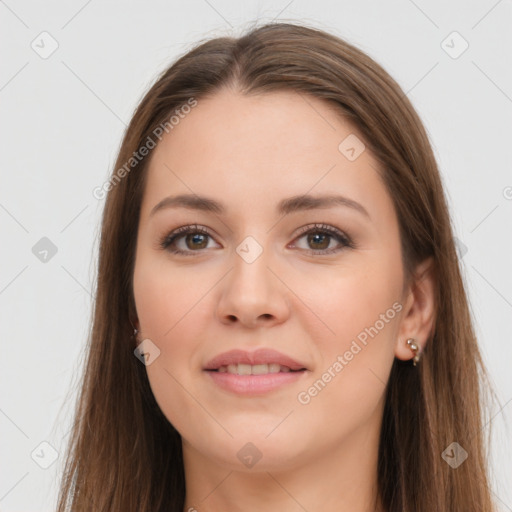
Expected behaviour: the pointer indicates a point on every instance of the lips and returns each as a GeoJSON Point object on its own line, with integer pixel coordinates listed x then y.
{"type": "Point", "coordinates": [254, 374]}
{"type": "Point", "coordinates": [261, 361]}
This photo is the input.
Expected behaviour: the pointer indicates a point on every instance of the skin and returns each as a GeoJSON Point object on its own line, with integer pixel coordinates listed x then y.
{"type": "Point", "coordinates": [249, 153]}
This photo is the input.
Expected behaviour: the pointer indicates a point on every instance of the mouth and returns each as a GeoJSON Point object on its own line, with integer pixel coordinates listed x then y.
{"type": "Point", "coordinates": [256, 369]}
{"type": "Point", "coordinates": [258, 362]}
{"type": "Point", "coordinates": [254, 373]}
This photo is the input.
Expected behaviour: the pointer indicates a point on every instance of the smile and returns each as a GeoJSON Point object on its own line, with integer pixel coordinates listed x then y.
{"type": "Point", "coordinates": [257, 369]}
{"type": "Point", "coordinates": [254, 380]}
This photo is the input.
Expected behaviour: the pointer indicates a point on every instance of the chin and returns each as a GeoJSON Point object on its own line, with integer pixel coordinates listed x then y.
{"type": "Point", "coordinates": [255, 452]}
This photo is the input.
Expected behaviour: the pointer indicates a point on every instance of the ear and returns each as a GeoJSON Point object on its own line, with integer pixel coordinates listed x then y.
{"type": "Point", "coordinates": [419, 310]}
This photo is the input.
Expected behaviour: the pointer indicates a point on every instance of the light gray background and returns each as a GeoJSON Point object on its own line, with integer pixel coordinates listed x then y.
{"type": "Point", "coordinates": [62, 120]}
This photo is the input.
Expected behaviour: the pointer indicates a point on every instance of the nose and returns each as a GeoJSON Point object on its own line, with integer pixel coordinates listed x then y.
{"type": "Point", "coordinates": [253, 294]}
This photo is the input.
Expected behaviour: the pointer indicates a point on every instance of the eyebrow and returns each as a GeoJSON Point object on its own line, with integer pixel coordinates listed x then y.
{"type": "Point", "coordinates": [284, 207]}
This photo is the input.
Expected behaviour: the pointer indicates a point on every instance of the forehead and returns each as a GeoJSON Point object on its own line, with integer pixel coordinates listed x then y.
{"type": "Point", "coordinates": [257, 149]}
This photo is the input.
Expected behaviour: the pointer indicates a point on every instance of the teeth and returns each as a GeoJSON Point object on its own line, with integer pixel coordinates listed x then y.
{"type": "Point", "coordinates": [243, 369]}
{"type": "Point", "coordinates": [257, 369]}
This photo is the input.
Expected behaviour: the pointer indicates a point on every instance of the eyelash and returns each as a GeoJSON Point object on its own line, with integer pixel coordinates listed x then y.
{"type": "Point", "coordinates": [342, 238]}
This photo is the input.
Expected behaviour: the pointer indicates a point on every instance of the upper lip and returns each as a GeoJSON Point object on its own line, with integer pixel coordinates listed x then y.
{"type": "Point", "coordinates": [260, 356]}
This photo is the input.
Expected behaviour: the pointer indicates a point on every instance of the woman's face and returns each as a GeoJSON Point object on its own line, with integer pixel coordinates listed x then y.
{"type": "Point", "coordinates": [273, 267]}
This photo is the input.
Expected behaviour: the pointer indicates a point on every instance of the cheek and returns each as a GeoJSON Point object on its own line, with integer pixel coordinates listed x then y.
{"type": "Point", "coordinates": [354, 301]}
{"type": "Point", "coordinates": [163, 297]}
{"type": "Point", "coordinates": [347, 389]}
{"type": "Point", "coordinates": [362, 308]}
{"type": "Point", "coordinates": [173, 314]}
{"type": "Point", "coordinates": [170, 320]}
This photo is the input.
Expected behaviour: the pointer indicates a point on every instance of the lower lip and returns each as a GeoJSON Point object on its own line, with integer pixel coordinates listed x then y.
{"type": "Point", "coordinates": [254, 384]}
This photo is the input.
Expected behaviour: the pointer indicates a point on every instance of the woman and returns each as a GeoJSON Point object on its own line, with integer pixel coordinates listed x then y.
{"type": "Point", "coordinates": [280, 319]}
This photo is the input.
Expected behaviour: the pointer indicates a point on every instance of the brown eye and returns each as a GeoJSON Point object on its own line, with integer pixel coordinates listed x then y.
{"type": "Point", "coordinates": [196, 241]}
{"type": "Point", "coordinates": [320, 241]}
{"type": "Point", "coordinates": [195, 238]}
{"type": "Point", "coordinates": [319, 238]}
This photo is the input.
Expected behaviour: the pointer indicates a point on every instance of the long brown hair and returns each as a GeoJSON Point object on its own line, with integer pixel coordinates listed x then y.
{"type": "Point", "coordinates": [123, 453]}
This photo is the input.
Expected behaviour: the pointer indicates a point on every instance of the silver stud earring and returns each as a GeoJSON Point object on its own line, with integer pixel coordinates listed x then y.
{"type": "Point", "coordinates": [135, 331]}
